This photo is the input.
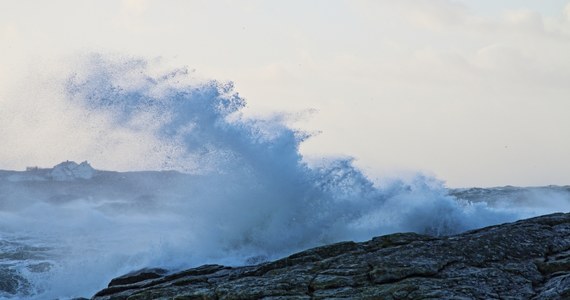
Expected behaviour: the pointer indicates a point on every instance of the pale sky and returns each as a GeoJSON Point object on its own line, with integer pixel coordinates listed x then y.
{"type": "Point", "coordinates": [476, 92]}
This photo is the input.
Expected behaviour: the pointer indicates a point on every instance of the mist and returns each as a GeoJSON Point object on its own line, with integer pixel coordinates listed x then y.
{"type": "Point", "coordinates": [225, 188]}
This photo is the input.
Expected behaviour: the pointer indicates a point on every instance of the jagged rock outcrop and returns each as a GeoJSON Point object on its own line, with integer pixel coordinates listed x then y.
{"type": "Point", "coordinates": [528, 259]}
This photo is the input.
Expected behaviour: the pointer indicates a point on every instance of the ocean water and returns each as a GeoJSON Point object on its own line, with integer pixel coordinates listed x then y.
{"type": "Point", "coordinates": [231, 190]}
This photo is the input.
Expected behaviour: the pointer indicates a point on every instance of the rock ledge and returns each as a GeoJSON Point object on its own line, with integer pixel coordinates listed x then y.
{"type": "Point", "coordinates": [528, 259]}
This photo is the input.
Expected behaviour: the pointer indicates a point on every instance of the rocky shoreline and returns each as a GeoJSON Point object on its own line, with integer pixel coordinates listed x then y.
{"type": "Point", "coordinates": [528, 259]}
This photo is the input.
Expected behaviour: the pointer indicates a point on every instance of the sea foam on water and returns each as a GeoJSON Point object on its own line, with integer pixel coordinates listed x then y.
{"type": "Point", "coordinates": [242, 191]}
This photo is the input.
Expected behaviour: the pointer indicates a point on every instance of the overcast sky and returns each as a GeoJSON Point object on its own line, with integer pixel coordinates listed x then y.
{"type": "Point", "coordinates": [475, 92]}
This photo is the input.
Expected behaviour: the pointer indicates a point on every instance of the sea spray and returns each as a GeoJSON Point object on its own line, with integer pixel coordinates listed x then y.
{"type": "Point", "coordinates": [241, 192]}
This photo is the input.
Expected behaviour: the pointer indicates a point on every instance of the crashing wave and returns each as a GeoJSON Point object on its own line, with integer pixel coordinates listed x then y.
{"type": "Point", "coordinates": [243, 192]}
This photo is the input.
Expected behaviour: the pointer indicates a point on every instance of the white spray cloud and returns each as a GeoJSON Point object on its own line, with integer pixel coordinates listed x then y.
{"type": "Point", "coordinates": [249, 192]}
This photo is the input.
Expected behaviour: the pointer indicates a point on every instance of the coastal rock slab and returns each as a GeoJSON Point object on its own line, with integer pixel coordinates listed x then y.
{"type": "Point", "coordinates": [528, 259]}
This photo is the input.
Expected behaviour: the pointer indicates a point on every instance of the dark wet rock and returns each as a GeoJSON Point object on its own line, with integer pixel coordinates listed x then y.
{"type": "Point", "coordinates": [12, 283]}
{"type": "Point", "coordinates": [138, 276]}
{"type": "Point", "coordinates": [528, 259]}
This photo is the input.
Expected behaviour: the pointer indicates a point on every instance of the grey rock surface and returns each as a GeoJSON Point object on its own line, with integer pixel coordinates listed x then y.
{"type": "Point", "coordinates": [528, 259]}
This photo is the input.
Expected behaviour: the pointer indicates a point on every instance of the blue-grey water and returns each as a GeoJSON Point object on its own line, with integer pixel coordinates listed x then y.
{"type": "Point", "coordinates": [238, 191]}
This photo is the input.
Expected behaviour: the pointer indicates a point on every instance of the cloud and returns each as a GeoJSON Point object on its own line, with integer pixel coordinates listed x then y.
{"type": "Point", "coordinates": [528, 19]}
{"type": "Point", "coordinates": [131, 16]}
{"type": "Point", "coordinates": [457, 79]}
{"type": "Point", "coordinates": [134, 7]}
{"type": "Point", "coordinates": [8, 32]}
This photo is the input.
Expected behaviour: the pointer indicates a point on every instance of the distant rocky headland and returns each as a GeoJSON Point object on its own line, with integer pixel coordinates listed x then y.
{"type": "Point", "coordinates": [528, 259]}
{"type": "Point", "coordinates": [65, 171]}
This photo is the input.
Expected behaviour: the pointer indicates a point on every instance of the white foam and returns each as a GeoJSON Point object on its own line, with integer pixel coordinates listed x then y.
{"type": "Point", "coordinates": [250, 193]}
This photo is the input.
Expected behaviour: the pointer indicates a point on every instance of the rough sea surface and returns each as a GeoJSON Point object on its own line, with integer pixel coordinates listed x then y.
{"type": "Point", "coordinates": [236, 190]}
